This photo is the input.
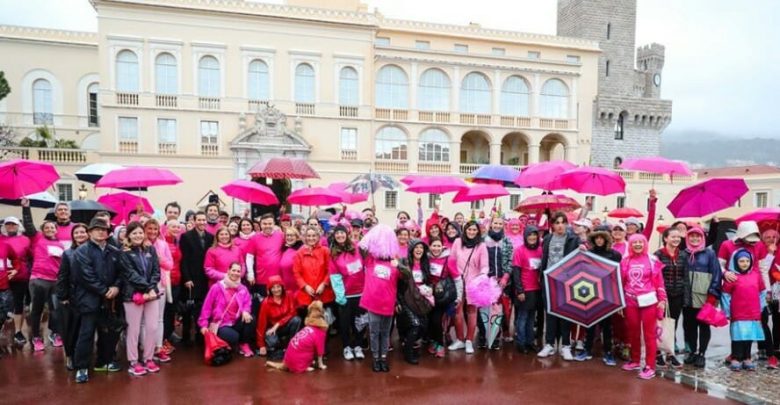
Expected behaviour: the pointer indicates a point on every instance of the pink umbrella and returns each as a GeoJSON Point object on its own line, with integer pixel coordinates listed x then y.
{"type": "Point", "coordinates": [137, 177]}
{"type": "Point", "coordinates": [544, 202]}
{"type": "Point", "coordinates": [251, 192]}
{"type": "Point", "coordinates": [625, 212]}
{"type": "Point", "coordinates": [20, 177]}
{"type": "Point", "coordinates": [480, 192]}
{"type": "Point", "coordinates": [283, 168]}
{"type": "Point", "coordinates": [409, 179]}
{"type": "Point", "coordinates": [593, 180]}
{"type": "Point", "coordinates": [544, 175]}
{"type": "Point", "coordinates": [124, 204]}
{"type": "Point", "coordinates": [707, 197]}
{"type": "Point", "coordinates": [314, 196]}
{"type": "Point", "coordinates": [346, 196]}
{"type": "Point", "coordinates": [760, 215]}
{"type": "Point", "coordinates": [437, 185]}
{"type": "Point", "coordinates": [657, 164]}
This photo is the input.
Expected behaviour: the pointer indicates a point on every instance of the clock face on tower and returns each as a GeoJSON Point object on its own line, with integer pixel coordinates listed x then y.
{"type": "Point", "coordinates": [657, 80]}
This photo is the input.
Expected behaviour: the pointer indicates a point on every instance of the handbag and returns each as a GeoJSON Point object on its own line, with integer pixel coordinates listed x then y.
{"type": "Point", "coordinates": [217, 352]}
{"type": "Point", "coordinates": [445, 292]}
{"type": "Point", "coordinates": [415, 301]}
{"type": "Point", "coordinates": [712, 316]}
{"type": "Point", "coordinates": [665, 333]}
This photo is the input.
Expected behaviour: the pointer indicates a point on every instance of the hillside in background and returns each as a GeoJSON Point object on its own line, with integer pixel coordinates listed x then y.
{"type": "Point", "coordinates": [709, 149]}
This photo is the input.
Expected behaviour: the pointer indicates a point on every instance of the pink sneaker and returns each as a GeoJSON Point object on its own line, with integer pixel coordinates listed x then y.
{"type": "Point", "coordinates": [647, 373]}
{"type": "Point", "coordinates": [631, 366]}
{"type": "Point", "coordinates": [152, 367]}
{"type": "Point", "coordinates": [245, 351]}
{"type": "Point", "coordinates": [439, 351]}
{"type": "Point", "coordinates": [136, 369]}
{"type": "Point", "coordinates": [162, 356]}
{"type": "Point", "coordinates": [56, 340]}
{"type": "Point", "coordinates": [38, 345]}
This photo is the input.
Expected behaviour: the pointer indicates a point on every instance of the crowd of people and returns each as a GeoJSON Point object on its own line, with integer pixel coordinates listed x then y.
{"type": "Point", "coordinates": [278, 288]}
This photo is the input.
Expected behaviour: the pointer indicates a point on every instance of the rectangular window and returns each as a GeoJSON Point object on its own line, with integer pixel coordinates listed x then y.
{"type": "Point", "coordinates": [349, 139]}
{"type": "Point", "coordinates": [128, 129]}
{"type": "Point", "coordinates": [166, 130]}
{"type": "Point", "coordinates": [762, 199]}
{"type": "Point", "coordinates": [461, 48]}
{"type": "Point", "coordinates": [514, 200]}
{"type": "Point", "coordinates": [382, 41]}
{"type": "Point", "coordinates": [606, 70]}
{"type": "Point", "coordinates": [424, 45]}
{"type": "Point", "coordinates": [609, 30]}
{"type": "Point", "coordinates": [93, 110]}
{"type": "Point", "coordinates": [476, 205]}
{"type": "Point", "coordinates": [572, 59]}
{"type": "Point", "coordinates": [499, 51]}
{"type": "Point", "coordinates": [534, 54]}
{"type": "Point", "coordinates": [209, 132]}
{"type": "Point", "coordinates": [433, 200]}
{"type": "Point", "coordinates": [391, 200]}
{"type": "Point", "coordinates": [621, 202]}
{"type": "Point", "coordinates": [65, 192]}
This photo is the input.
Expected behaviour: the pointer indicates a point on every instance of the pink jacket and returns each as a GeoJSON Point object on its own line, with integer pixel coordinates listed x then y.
{"type": "Point", "coordinates": [459, 256]}
{"type": "Point", "coordinates": [215, 307]}
{"type": "Point", "coordinates": [745, 296]}
{"type": "Point", "coordinates": [47, 254]}
{"type": "Point", "coordinates": [381, 286]}
{"type": "Point", "coordinates": [641, 274]}
{"type": "Point", "coordinates": [20, 244]}
{"type": "Point", "coordinates": [218, 260]}
{"type": "Point", "coordinates": [350, 266]}
{"type": "Point", "coordinates": [163, 254]}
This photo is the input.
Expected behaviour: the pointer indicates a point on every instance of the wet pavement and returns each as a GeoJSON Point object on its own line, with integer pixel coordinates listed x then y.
{"type": "Point", "coordinates": [487, 377]}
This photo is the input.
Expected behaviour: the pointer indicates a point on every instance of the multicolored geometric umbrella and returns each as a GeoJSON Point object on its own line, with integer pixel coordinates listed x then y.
{"type": "Point", "coordinates": [584, 288]}
{"type": "Point", "coordinates": [371, 182]}
{"type": "Point", "coordinates": [491, 317]}
{"type": "Point", "coordinates": [283, 168]}
{"type": "Point", "coordinates": [544, 202]}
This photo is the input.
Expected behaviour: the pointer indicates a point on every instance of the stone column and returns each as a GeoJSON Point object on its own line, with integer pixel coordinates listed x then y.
{"type": "Point", "coordinates": [533, 153]}
{"type": "Point", "coordinates": [570, 153]}
{"type": "Point", "coordinates": [455, 157]}
{"type": "Point", "coordinates": [495, 153]}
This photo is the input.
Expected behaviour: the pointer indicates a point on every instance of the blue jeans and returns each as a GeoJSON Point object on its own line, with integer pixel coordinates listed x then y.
{"type": "Point", "coordinates": [525, 316]}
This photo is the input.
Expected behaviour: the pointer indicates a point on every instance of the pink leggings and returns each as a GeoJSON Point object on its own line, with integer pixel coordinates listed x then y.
{"type": "Point", "coordinates": [644, 321]}
{"type": "Point", "coordinates": [134, 314]}
{"type": "Point", "coordinates": [471, 322]}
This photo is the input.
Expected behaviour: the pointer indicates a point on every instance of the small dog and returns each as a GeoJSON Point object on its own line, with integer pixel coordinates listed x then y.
{"type": "Point", "coordinates": [307, 344]}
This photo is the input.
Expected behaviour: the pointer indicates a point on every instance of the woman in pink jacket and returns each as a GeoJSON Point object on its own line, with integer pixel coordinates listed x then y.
{"type": "Point", "coordinates": [643, 286]}
{"type": "Point", "coordinates": [165, 259]}
{"type": "Point", "coordinates": [226, 311]}
{"type": "Point", "coordinates": [221, 255]}
{"type": "Point", "coordinates": [469, 258]}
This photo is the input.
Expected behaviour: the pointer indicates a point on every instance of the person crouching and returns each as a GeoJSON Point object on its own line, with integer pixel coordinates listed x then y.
{"type": "Point", "coordinates": [226, 311]}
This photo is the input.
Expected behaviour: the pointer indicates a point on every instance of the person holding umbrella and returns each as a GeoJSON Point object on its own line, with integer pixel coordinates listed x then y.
{"type": "Point", "coordinates": [63, 223]}
{"type": "Point", "coordinates": [47, 253]}
{"type": "Point", "coordinates": [165, 259]}
{"type": "Point", "coordinates": [557, 245]}
{"type": "Point", "coordinates": [19, 284]}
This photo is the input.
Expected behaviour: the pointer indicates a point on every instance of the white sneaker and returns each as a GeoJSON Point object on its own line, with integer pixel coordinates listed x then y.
{"type": "Point", "coordinates": [566, 353]}
{"type": "Point", "coordinates": [469, 347]}
{"type": "Point", "coordinates": [580, 345]}
{"type": "Point", "coordinates": [456, 345]}
{"type": "Point", "coordinates": [358, 352]}
{"type": "Point", "coordinates": [546, 351]}
{"type": "Point", "coordinates": [348, 354]}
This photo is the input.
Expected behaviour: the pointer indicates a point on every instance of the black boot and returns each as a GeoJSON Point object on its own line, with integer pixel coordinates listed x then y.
{"type": "Point", "coordinates": [384, 366]}
{"type": "Point", "coordinates": [377, 366]}
{"type": "Point", "coordinates": [409, 356]}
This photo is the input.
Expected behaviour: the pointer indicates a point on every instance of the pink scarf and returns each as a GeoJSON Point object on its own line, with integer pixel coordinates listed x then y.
{"type": "Point", "coordinates": [693, 249]}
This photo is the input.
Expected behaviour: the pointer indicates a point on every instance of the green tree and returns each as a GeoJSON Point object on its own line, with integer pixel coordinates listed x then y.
{"type": "Point", "coordinates": [46, 140]}
{"type": "Point", "coordinates": [5, 89]}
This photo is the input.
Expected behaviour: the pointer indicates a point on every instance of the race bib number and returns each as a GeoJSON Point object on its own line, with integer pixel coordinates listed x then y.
{"type": "Point", "coordinates": [418, 276]}
{"type": "Point", "coordinates": [436, 269]}
{"type": "Point", "coordinates": [354, 267]}
{"type": "Point", "coordinates": [535, 263]}
{"type": "Point", "coordinates": [55, 251]}
{"type": "Point", "coordinates": [382, 272]}
{"type": "Point", "coordinates": [66, 243]}
{"type": "Point", "coordinates": [3, 265]}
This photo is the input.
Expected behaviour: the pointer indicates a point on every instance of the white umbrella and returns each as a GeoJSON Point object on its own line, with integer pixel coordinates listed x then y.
{"type": "Point", "coordinates": [94, 172]}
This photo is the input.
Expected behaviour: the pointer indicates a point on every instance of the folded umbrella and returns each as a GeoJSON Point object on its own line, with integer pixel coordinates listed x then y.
{"type": "Point", "coordinates": [314, 196]}
{"type": "Point", "coordinates": [124, 204]}
{"type": "Point", "coordinates": [20, 177]}
{"type": "Point", "coordinates": [251, 192]}
{"type": "Point", "coordinates": [709, 196]}
{"type": "Point", "coordinates": [479, 192]}
{"type": "Point", "coordinates": [592, 180]}
{"type": "Point", "coordinates": [437, 185]}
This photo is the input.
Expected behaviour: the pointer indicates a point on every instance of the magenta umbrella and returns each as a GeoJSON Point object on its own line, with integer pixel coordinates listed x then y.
{"type": "Point", "coordinates": [251, 192]}
{"type": "Point", "coordinates": [409, 179]}
{"type": "Point", "coordinates": [314, 196]}
{"type": "Point", "coordinates": [124, 204]}
{"type": "Point", "coordinates": [657, 164]}
{"type": "Point", "coordinates": [707, 197]}
{"type": "Point", "coordinates": [20, 177]}
{"type": "Point", "coordinates": [544, 175]}
{"type": "Point", "coordinates": [137, 177]}
{"type": "Point", "coordinates": [592, 180]}
{"type": "Point", "coordinates": [479, 192]}
{"type": "Point", "coordinates": [347, 197]}
{"type": "Point", "coordinates": [760, 215]}
{"type": "Point", "coordinates": [437, 185]}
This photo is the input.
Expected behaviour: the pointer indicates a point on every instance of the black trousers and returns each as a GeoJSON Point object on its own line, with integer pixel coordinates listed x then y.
{"type": "Point", "coordinates": [740, 350]}
{"type": "Point", "coordinates": [557, 328]}
{"type": "Point", "coordinates": [239, 332]}
{"type": "Point", "coordinates": [435, 326]}
{"type": "Point", "coordinates": [697, 334]}
{"type": "Point", "coordinates": [606, 336]}
{"type": "Point", "coordinates": [347, 313]}
{"type": "Point", "coordinates": [280, 339]}
{"type": "Point", "coordinates": [771, 343]}
{"type": "Point", "coordinates": [169, 315]}
{"type": "Point", "coordinates": [70, 323]}
{"type": "Point", "coordinates": [106, 341]}
{"type": "Point", "coordinates": [189, 318]}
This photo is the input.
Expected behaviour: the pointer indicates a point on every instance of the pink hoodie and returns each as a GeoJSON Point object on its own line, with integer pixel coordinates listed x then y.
{"type": "Point", "coordinates": [381, 286]}
{"type": "Point", "coordinates": [641, 274]}
{"type": "Point", "coordinates": [20, 244]}
{"type": "Point", "coordinates": [218, 260]}
{"type": "Point", "coordinates": [47, 254]}
{"type": "Point", "coordinates": [350, 266]}
{"type": "Point", "coordinates": [459, 256]}
{"type": "Point", "coordinates": [215, 307]}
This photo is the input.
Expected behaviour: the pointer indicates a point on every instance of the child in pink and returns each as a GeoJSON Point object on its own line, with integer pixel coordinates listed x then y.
{"type": "Point", "coordinates": [307, 345]}
{"type": "Point", "coordinates": [743, 300]}
{"type": "Point", "coordinates": [643, 286]}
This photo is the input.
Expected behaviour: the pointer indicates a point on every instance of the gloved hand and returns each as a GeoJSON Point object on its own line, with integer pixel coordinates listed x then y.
{"type": "Point", "coordinates": [341, 300]}
{"type": "Point", "coordinates": [711, 299]}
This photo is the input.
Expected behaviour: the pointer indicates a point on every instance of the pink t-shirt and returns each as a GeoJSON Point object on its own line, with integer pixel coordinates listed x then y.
{"type": "Point", "coordinates": [286, 270]}
{"type": "Point", "coordinates": [529, 260]}
{"type": "Point", "coordinates": [439, 267]}
{"type": "Point", "coordinates": [381, 286]}
{"type": "Point", "coordinates": [47, 254]}
{"type": "Point", "coordinates": [63, 234]}
{"type": "Point", "coordinates": [218, 260]}
{"type": "Point", "coordinates": [304, 347]}
{"type": "Point", "coordinates": [267, 250]}
{"type": "Point", "coordinates": [759, 252]}
{"type": "Point", "coordinates": [20, 244]}
{"type": "Point", "coordinates": [350, 266]}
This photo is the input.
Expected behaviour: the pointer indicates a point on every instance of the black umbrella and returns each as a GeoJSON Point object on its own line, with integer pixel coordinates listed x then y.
{"type": "Point", "coordinates": [83, 210]}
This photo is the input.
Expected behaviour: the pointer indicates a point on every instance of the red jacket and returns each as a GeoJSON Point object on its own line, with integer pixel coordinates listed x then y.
{"type": "Point", "coordinates": [272, 312]}
{"type": "Point", "coordinates": [173, 245]}
{"type": "Point", "coordinates": [310, 267]}
{"type": "Point", "coordinates": [8, 262]}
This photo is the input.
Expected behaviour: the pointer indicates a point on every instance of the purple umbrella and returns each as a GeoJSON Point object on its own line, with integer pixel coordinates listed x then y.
{"type": "Point", "coordinates": [707, 197]}
{"type": "Point", "coordinates": [495, 174]}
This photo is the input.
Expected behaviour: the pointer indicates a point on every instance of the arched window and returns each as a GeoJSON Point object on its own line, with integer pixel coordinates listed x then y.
{"type": "Point", "coordinates": [348, 87]}
{"type": "Point", "coordinates": [127, 71]}
{"type": "Point", "coordinates": [475, 94]}
{"type": "Point", "coordinates": [618, 161]}
{"type": "Point", "coordinates": [392, 88]}
{"type": "Point", "coordinates": [92, 107]}
{"type": "Point", "coordinates": [554, 100]}
{"type": "Point", "coordinates": [620, 125]}
{"type": "Point", "coordinates": [434, 146]}
{"type": "Point", "coordinates": [434, 91]}
{"type": "Point", "coordinates": [166, 74]}
{"type": "Point", "coordinates": [514, 97]}
{"type": "Point", "coordinates": [42, 102]}
{"type": "Point", "coordinates": [304, 83]}
{"type": "Point", "coordinates": [391, 144]}
{"type": "Point", "coordinates": [208, 77]}
{"type": "Point", "coordinates": [257, 81]}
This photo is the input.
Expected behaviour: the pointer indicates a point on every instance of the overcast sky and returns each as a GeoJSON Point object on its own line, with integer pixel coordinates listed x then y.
{"type": "Point", "coordinates": [722, 56]}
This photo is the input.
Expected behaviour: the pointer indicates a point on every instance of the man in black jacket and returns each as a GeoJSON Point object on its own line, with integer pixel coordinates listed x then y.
{"type": "Point", "coordinates": [557, 245]}
{"type": "Point", "coordinates": [194, 244]}
{"type": "Point", "coordinates": [96, 282]}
